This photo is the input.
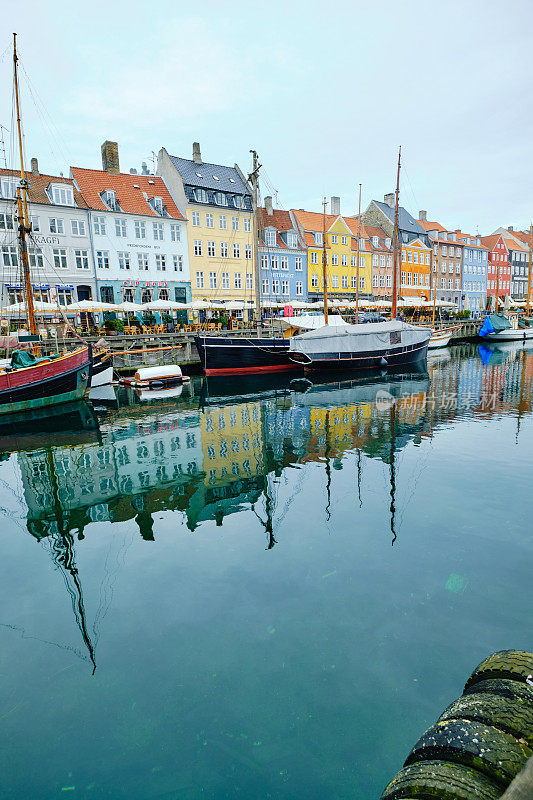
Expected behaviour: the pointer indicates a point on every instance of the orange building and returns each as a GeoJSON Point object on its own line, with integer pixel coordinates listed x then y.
{"type": "Point", "coordinates": [415, 270]}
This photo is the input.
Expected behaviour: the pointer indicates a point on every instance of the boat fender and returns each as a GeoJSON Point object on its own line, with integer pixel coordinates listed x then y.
{"type": "Point", "coordinates": [529, 680]}
{"type": "Point", "coordinates": [383, 361]}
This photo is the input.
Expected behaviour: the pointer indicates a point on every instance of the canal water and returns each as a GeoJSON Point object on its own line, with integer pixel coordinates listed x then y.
{"type": "Point", "coordinates": [259, 588]}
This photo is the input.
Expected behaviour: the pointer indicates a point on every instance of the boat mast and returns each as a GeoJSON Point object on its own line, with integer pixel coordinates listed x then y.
{"type": "Point", "coordinates": [395, 242]}
{"type": "Point", "coordinates": [22, 204]}
{"type": "Point", "coordinates": [254, 180]}
{"type": "Point", "coordinates": [357, 264]}
{"type": "Point", "coordinates": [434, 293]}
{"type": "Point", "coordinates": [324, 264]}
{"type": "Point", "coordinates": [497, 284]}
{"type": "Point", "coordinates": [529, 271]}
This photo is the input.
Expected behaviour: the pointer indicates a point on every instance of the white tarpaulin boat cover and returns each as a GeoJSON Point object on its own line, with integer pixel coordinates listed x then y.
{"type": "Point", "coordinates": [367, 337]}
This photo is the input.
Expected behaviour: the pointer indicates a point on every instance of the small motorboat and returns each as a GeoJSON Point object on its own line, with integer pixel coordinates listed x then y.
{"type": "Point", "coordinates": [441, 338]}
{"type": "Point", "coordinates": [500, 328]}
{"type": "Point", "coordinates": [164, 377]}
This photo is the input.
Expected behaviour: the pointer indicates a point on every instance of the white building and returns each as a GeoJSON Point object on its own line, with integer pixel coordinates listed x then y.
{"type": "Point", "coordinates": [139, 237]}
{"type": "Point", "coordinates": [59, 244]}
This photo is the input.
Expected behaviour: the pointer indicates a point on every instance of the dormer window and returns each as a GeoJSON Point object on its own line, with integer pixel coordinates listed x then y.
{"type": "Point", "coordinates": [375, 241]}
{"type": "Point", "coordinates": [9, 188]}
{"type": "Point", "coordinates": [200, 195]}
{"type": "Point", "coordinates": [318, 238]}
{"type": "Point", "coordinates": [61, 194]}
{"type": "Point", "coordinates": [292, 240]}
{"type": "Point", "coordinates": [361, 244]}
{"type": "Point", "coordinates": [157, 205]}
{"type": "Point", "coordinates": [221, 199]}
{"type": "Point", "coordinates": [237, 201]}
{"type": "Point", "coordinates": [388, 242]}
{"type": "Point", "coordinates": [109, 197]}
{"type": "Point", "coordinates": [270, 238]}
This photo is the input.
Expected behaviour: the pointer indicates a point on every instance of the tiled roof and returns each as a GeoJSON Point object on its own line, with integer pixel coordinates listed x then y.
{"type": "Point", "coordinates": [431, 226]}
{"type": "Point", "coordinates": [490, 241]}
{"type": "Point", "coordinates": [205, 176]}
{"type": "Point", "coordinates": [279, 219]}
{"type": "Point", "coordinates": [405, 220]}
{"type": "Point", "coordinates": [93, 182]}
{"type": "Point", "coordinates": [313, 220]}
{"type": "Point", "coordinates": [524, 236]}
{"type": "Point", "coordinates": [513, 245]}
{"type": "Point", "coordinates": [39, 183]}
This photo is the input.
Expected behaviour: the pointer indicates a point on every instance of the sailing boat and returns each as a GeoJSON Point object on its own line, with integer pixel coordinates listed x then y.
{"type": "Point", "coordinates": [508, 328]}
{"type": "Point", "coordinates": [29, 381]}
{"type": "Point", "coordinates": [368, 345]}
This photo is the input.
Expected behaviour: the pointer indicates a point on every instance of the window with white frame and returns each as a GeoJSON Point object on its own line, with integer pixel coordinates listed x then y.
{"type": "Point", "coordinates": [270, 238]}
{"type": "Point", "coordinates": [354, 282]}
{"type": "Point", "coordinates": [403, 278]}
{"type": "Point", "coordinates": [36, 257]}
{"type": "Point", "coordinates": [98, 225]}
{"type": "Point", "coordinates": [211, 248]}
{"type": "Point", "coordinates": [222, 222]}
{"type": "Point", "coordinates": [264, 261]}
{"type": "Point", "coordinates": [77, 226]}
{"type": "Point", "coordinates": [56, 225]}
{"type": "Point", "coordinates": [120, 227]}
{"type": "Point", "coordinates": [249, 280]}
{"type": "Point", "coordinates": [375, 260]}
{"type": "Point", "coordinates": [382, 260]}
{"type": "Point", "coordinates": [62, 195]}
{"type": "Point", "coordinates": [284, 262]}
{"type": "Point", "coordinates": [382, 281]}
{"type": "Point", "coordinates": [314, 281]}
{"type": "Point", "coordinates": [35, 223]}
{"type": "Point", "coordinates": [248, 251]}
{"type": "Point", "coordinates": [197, 247]}
{"type": "Point", "coordinates": [247, 224]}
{"type": "Point", "coordinates": [221, 199]}
{"type": "Point", "coordinates": [225, 280]}
{"type": "Point", "coordinates": [334, 260]}
{"type": "Point", "coordinates": [160, 262]}
{"type": "Point", "coordinates": [450, 267]}
{"type": "Point", "coordinates": [235, 223]}
{"type": "Point", "coordinates": [335, 281]}
{"type": "Point", "coordinates": [344, 260]}
{"type": "Point", "coordinates": [298, 264]}
{"type": "Point", "coordinates": [389, 261]}
{"type": "Point", "coordinates": [275, 286]}
{"type": "Point", "coordinates": [223, 249]}
{"type": "Point", "coordinates": [344, 281]}
{"type": "Point", "coordinates": [195, 219]}
{"type": "Point", "coordinates": [265, 286]}
{"type": "Point", "coordinates": [389, 281]}
{"type": "Point", "coordinates": [200, 195]}
{"type": "Point", "coordinates": [158, 231]}
{"type": "Point", "coordinates": [123, 260]}
{"type": "Point", "coordinates": [236, 250]}
{"type": "Point", "coordinates": [175, 232]}
{"type": "Point", "coordinates": [361, 261]}
{"type": "Point", "coordinates": [334, 238]}
{"type": "Point", "coordinates": [318, 238]}
{"type": "Point", "coordinates": [9, 255]}
{"type": "Point", "coordinates": [60, 258]}
{"type": "Point", "coordinates": [285, 287]}
{"type": "Point", "coordinates": [450, 283]}
{"type": "Point", "coordinates": [361, 244]}
{"type": "Point", "coordinates": [7, 222]}
{"type": "Point", "coordinates": [415, 258]}
{"type": "Point", "coordinates": [443, 267]}
{"type": "Point", "coordinates": [212, 280]}
{"type": "Point", "coordinates": [353, 261]}
{"type": "Point", "coordinates": [344, 240]}
{"type": "Point", "coordinates": [102, 259]}
{"type": "Point", "coordinates": [110, 198]}
{"type": "Point", "coordinates": [237, 280]}
{"type": "Point", "coordinates": [140, 229]}
{"type": "Point", "coordinates": [314, 258]}
{"type": "Point", "coordinates": [375, 281]}
{"type": "Point", "coordinates": [9, 188]}
{"type": "Point", "coordinates": [409, 279]}
{"type": "Point", "coordinates": [142, 262]}
{"type": "Point", "coordinates": [299, 288]}
{"type": "Point", "coordinates": [458, 269]}
{"type": "Point", "coordinates": [415, 278]}
{"type": "Point", "coordinates": [177, 262]}
{"type": "Point", "coordinates": [457, 284]}
{"type": "Point", "coordinates": [199, 280]}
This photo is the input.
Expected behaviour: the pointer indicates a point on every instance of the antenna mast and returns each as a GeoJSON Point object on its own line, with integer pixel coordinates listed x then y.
{"type": "Point", "coordinates": [395, 242]}
{"type": "Point", "coordinates": [324, 263]}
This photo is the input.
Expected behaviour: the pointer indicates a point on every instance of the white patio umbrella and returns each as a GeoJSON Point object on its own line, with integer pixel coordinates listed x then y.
{"type": "Point", "coordinates": [92, 305]}
{"type": "Point", "coordinates": [202, 305]}
{"type": "Point", "coordinates": [164, 305]}
{"type": "Point", "coordinates": [129, 308]}
{"type": "Point", "coordinates": [40, 307]}
{"type": "Point", "coordinates": [234, 305]}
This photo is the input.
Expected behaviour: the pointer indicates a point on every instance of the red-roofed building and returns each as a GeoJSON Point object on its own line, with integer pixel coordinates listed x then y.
{"type": "Point", "coordinates": [447, 261]}
{"type": "Point", "coordinates": [282, 257]}
{"type": "Point", "coordinates": [519, 245]}
{"type": "Point", "coordinates": [499, 266]}
{"type": "Point", "coordinates": [139, 235]}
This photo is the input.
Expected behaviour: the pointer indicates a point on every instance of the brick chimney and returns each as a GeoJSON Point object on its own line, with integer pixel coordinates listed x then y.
{"type": "Point", "coordinates": [110, 162]}
{"type": "Point", "coordinates": [510, 228]}
{"type": "Point", "coordinates": [423, 216]}
{"type": "Point", "coordinates": [196, 154]}
{"type": "Point", "coordinates": [34, 166]}
{"type": "Point", "coordinates": [268, 205]}
{"type": "Point", "coordinates": [389, 200]}
{"type": "Point", "coordinates": [335, 206]}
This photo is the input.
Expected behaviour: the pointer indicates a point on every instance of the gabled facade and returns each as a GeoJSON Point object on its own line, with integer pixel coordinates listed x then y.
{"type": "Point", "coordinates": [59, 245]}
{"type": "Point", "coordinates": [447, 262]}
{"type": "Point", "coordinates": [282, 257]}
{"type": "Point", "coordinates": [381, 215]}
{"type": "Point", "coordinates": [474, 277]}
{"type": "Point", "coordinates": [519, 243]}
{"type": "Point", "coordinates": [415, 269]}
{"type": "Point", "coordinates": [380, 244]}
{"type": "Point", "coordinates": [139, 236]}
{"type": "Point", "coordinates": [499, 265]}
{"type": "Point", "coordinates": [217, 202]}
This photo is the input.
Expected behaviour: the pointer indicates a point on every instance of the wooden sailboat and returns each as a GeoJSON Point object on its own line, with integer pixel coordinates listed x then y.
{"type": "Point", "coordinates": [30, 382]}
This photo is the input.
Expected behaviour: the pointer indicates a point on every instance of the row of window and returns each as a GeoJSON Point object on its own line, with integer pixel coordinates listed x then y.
{"type": "Point", "coordinates": [143, 261]}
{"type": "Point", "coordinates": [224, 249]}
{"type": "Point", "coordinates": [224, 280]}
{"type": "Point", "coordinates": [59, 193]}
{"type": "Point", "coordinates": [503, 270]}
{"type": "Point", "coordinates": [502, 285]}
{"type": "Point", "coordinates": [474, 286]}
{"type": "Point", "coordinates": [147, 294]}
{"type": "Point", "coordinates": [222, 222]}
{"type": "Point", "coordinates": [281, 262]}
{"type": "Point", "coordinates": [475, 255]}
{"type": "Point", "coordinates": [453, 251]}
{"type": "Point", "coordinates": [285, 289]}
{"type": "Point", "coordinates": [476, 269]}
{"type": "Point", "coordinates": [64, 296]}
{"type": "Point", "coordinates": [380, 261]}
{"type": "Point", "coordinates": [411, 257]}
{"type": "Point", "coordinates": [344, 282]}
{"type": "Point", "coordinates": [270, 239]}
{"type": "Point", "coordinates": [451, 266]}
{"type": "Point", "coordinates": [381, 281]}
{"type": "Point", "coordinates": [450, 284]}
{"type": "Point", "coordinates": [220, 198]}
{"type": "Point", "coordinates": [61, 257]}
{"type": "Point", "coordinates": [335, 260]}
{"type": "Point", "coordinates": [414, 279]}
{"type": "Point", "coordinates": [56, 225]}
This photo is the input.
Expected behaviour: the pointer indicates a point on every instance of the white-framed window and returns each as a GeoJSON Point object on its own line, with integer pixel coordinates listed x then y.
{"type": "Point", "coordinates": [209, 220]}
{"type": "Point", "coordinates": [362, 244]}
{"type": "Point", "coordinates": [200, 195]}
{"type": "Point", "coordinates": [314, 281]}
{"type": "Point", "coordinates": [335, 281]}
{"type": "Point", "coordinates": [142, 262]}
{"type": "Point", "coordinates": [354, 282]}
{"type": "Point", "coordinates": [375, 260]}
{"type": "Point", "coordinates": [110, 198]}
{"type": "Point", "coordinates": [353, 261]}
{"type": "Point", "coordinates": [211, 248]}
{"type": "Point", "coordinates": [157, 205]}
{"type": "Point", "coordinates": [120, 227]}
{"type": "Point", "coordinates": [382, 260]}
{"type": "Point", "coordinates": [160, 262]}
{"type": "Point", "coordinates": [344, 281]}
{"type": "Point", "coordinates": [298, 263]}
{"type": "Point", "coordinates": [158, 231]}
{"type": "Point", "coordinates": [212, 280]}
{"type": "Point", "coordinates": [382, 281]}
{"type": "Point", "coordinates": [375, 281]}
{"type": "Point", "coordinates": [247, 224]}
{"type": "Point", "coordinates": [409, 278]}
{"type": "Point", "coordinates": [318, 238]}
{"type": "Point", "coordinates": [123, 260]}
{"type": "Point", "coordinates": [389, 261]}
{"type": "Point", "coordinates": [175, 232]}
{"type": "Point", "coordinates": [415, 258]}
{"type": "Point", "coordinates": [249, 280]}
{"type": "Point", "coordinates": [225, 280]}
{"type": "Point", "coordinates": [62, 195]}
{"type": "Point", "coordinates": [235, 223]}
{"type": "Point", "coordinates": [443, 267]}
{"type": "Point", "coordinates": [450, 267]}
{"type": "Point", "coordinates": [274, 262]}
{"type": "Point", "coordinates": [299, 288]}
{"type": "Point", "coordinates": [389, 281]}
{"type": "Point", "coordinates": [457, 284]}
{"type": "Point", "coordinates": [56, 225]}
{"type": "Point", "coordinates": [314, 258]}
{"type": "Point", "coordinates": [199, 280]}
{"type": "Point", "coordinates": [9, 255]}
{"type": "Point", "coordinates": [248, 251]}
{"type": "Point", "coordinates": [334, 260]}
{"type": "Point", "coordinates": [285, 287]}
{"type": "Point", "coordinates": [35, 223]}
{"type": "Point", "coordinates": [236, 250]}
{"type": "Point", "coordinates": [361, 261]}
{"type": "Point", "coordinates": [450, 283]}
{"type": "Point", "coordinates": [222, 222]}
{"type": "Point", "coordinates": [77, 226]}
{"type": "Point", "coordinates": [177, 262]}
{"type": "Point", "coordinates": [264, 261]}
{"type": "Point", "coordinates": [265, 286]}
{"type": "Point", "coordinates": [237, 280]}
{"type": "Point", "coordinates": [344, 260]}
{"type": "Point", "coordinates": [9, 188]}
{"type": "Point", "coordinates": [403, 278]}
{"type": "Point", "coordinates": [223, 249]}
{"type": "Point", "coordinates": [458, 269]}
{"type": "Point", "coordinates": [415, 279]}
{"type": "Point", "coordinates": [344, 240]}
{"type": "Point", "coordinates": [7, 222]}
{"type": "Point", "coordinates": [270, 238]}
{"type": "Point", "coordinates": [36, 258]}
{"type": "Point", "coordinates": [284, 262]}
{"type": "Point", "coordinates": [140, 229]}
{"type": "Point", "coordinates": [98, 225]}
{"type": "Point", "coordinates": [334, 238]}
{"type": "Point", "coordinates": [102, 259]}
{"type": "Point", "coordinates": [195, 218]}
{"type": "Point", "coordinates": [221, 199]}
{"type": "Point", "coordinates": [60, 258]}
{"type": "Point", "coordinates": [197, 247]}
{"type": "Point", "coordinates": [275, 286]}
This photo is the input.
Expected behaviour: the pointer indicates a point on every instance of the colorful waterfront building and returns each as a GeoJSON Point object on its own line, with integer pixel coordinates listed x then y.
{"type": "Point", "coordinates": [415, 270]}
{"type": "Point", "coordinates": [282, 257]}
{"type": "Point", "coordinates": [138, 234]}
{"type": "Point", "coordinates": [474, 274]}
{"type": "Point", "coordinates": [380, 244]}
{"type": "Point", "coordinates": [499, 248]}
{"type": "Point", "coordinates": [341, 253]}
{"type": "Point", "coordinates": [217, 202]}
{"type": "Point", "coordinates": [381, 215]}
{"type": "Point", "coordinates": [447, 262]}
{"type": "Point", "coordinates": [60, 247]}
{"type": "Point", "coordinates": [518, 259]}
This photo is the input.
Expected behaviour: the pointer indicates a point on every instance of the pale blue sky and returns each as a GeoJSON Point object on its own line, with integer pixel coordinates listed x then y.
{"type": "Point", "coordinates": [325, 92]}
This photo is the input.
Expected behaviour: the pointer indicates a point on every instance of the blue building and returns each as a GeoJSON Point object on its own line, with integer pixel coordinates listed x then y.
{"type": "Point", "coordinates": [474, 274]}
{"type": "Point", "coordinates": [282, 257]}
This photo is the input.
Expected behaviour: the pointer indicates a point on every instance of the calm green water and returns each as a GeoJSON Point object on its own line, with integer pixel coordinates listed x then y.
{"type": "Point", "coordinates": [280, 588]}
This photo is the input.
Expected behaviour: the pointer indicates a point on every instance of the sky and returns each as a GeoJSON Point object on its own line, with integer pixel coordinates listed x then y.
{"type": "Point", "coordinates": [325, 92]}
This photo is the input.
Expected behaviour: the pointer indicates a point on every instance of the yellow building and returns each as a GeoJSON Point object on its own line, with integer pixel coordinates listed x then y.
{"type": "Point", "coordinates": [217, 202]}
{"type": "Point", "coordinates": [341, 254]}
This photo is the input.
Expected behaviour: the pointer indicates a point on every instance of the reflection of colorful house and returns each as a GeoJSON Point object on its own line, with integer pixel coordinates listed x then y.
{"type": "Point", "coordinates": [232, 442]}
